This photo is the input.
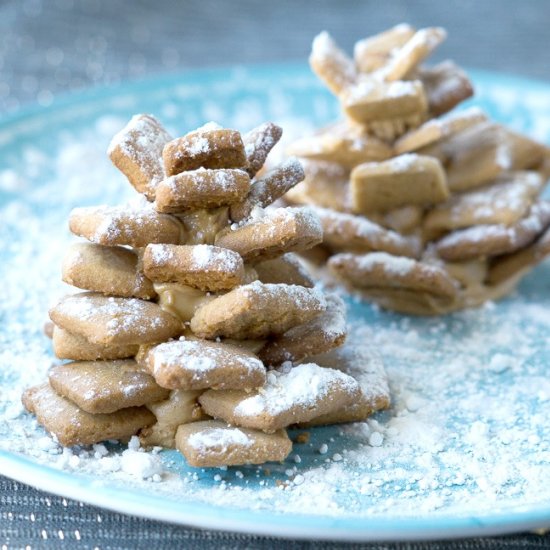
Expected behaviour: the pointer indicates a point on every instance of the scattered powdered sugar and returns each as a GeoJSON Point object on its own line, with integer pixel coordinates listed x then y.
{"type": "Point", "coordinates": [218, 439]}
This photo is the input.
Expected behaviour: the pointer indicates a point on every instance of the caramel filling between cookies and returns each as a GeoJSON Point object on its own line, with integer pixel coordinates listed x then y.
{"type": "Point", "coordinates": [180, 300]}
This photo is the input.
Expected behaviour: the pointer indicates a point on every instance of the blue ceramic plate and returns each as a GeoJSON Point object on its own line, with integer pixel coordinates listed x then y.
{"type": "Point", "coordinates": [464, 449]}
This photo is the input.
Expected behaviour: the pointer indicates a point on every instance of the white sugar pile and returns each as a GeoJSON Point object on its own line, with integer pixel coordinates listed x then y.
{"type": "Point", "coordinates": [468, 431]}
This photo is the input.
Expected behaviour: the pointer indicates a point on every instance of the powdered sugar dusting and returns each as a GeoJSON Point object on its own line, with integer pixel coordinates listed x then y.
{"type": "Point", "coordinates": [218, 439]}
{"type": "Point", "coordinates": [303, 385]}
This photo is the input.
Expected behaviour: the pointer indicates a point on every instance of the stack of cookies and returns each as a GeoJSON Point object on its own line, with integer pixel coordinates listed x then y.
{"type": "Point", "coordinates": [198, 327]}
{"type": "Point", "coordinates": [424, 211]}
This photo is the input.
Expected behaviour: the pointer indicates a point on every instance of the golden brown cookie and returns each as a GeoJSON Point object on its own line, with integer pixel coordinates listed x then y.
{"type": "Point", "coordinates": [201, 188]}
{"type": "Point", "coordinates": [124, 225]}
{"type": "Point", "coordinates": [114, 321]}
{"type": "Point", "coordinates": [258, 143]}
{"type": "Point", "coordinates": [409, 56]}
{"type": "Point", "coordinates": [137, 152]}
{"type": "Point", "coordinates": [180, 408]}
{"type": "Point", "coordinates": [111, 270]}
{"type": "Point", "coordinates": [364, 364]}
{"type": "Point", "coordinates": [438, 128]}
{"type": "Point", "coordinates": [289, 397]}
{"type": "Point", "coordinates": [493, 240]}
{"type": "Point", "coordinates": [372, 101]}
{"type": "Point", "coordinates": [212, 443]}
{"type": "Point", "coordinates": [397, 282]}
{"type": "Point", "coordinates": [67, 345]}
{"type": "Point", "coordinates": [446, 85]}
{"type": "Point", "coordinates": [278, 231]}
{"type": "Point", "coordinates": [324, 332]}
{"type": "Point", "coordinates": [202, 266]}
{"type": "Point", "coordinates": [342, 144]}
{"type": "Point", "coordinates": [331, 64]}
{"type": "Point", "coordinates": [481, 153]}
{"type": "Point", "coordinates": [358, 234]}
{"type": "Point", "coordinates": [510, 267]}
{"type": "Point", "coordinates": [105, 386]}
{"type": "Point", "coordinates": [208, 147]}
{"type": "Point", "coordinates": [269, 188]}
{"type": "Point", "coordinates": [401, 181]}
{"type": "Point", "coordinates": [373, 52]}
{"type": "Point", "coordinates": [504, 201]}
{"type": "Point", "coordinates": [288, 269]}
{"type": "Point", "coordinates": [257, 310]}
{"type": "Point", "coordinates": [73, 426]}
{"type": "Point", "coordinates": [198, 364]}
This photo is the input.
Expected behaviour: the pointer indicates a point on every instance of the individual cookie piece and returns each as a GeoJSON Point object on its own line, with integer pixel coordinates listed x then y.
{"type": "Point", "coordinates": [482, 152]}
{"type": "Point", "coordinates": [401, 181]}
{"type": "Point", "coordinates": [124, 225]}
{"type": "Point", "coordinates": [299, 395]}
{"type": "Point", "coordinates": [278, 231]}
{"type": "Point", "coordinates": [358, 234]}
{"type": "Point", "coordinates": [73, 426]}
{"type": "Point", "coordinates": [202, 266]}
{"type": "Point", "coordinates": [257, 310]}
{"type": "Point", "coordinates": [446, 85]}
{"type": "Point", "coordinates": [199, 364]}
{"type": "Point", "coordinates": [439, 128]}
{"type": "Point", "coordinates": [180, 408]}
{"type": "Point", "coordinates": [403, 61]}
{"type": "Point", "coordinates": [397, 282]}
{"type": "Point", "coordinates": [370, 101]}
{"type": "Point", "coordinates": [201, 188]}
{"type": "Point", "coordinates": [100, 387]}
{"type": "Point", "coordinates": [258, 144]}
{"type": "Point", "coordinates": [325, 184]}
{"type": "Point", "coordinates": [364, 364]}
{"type": "Point", "coordinates": [208, 147]}
{"type": "Point", "coordinates": [510, 267]}
{"type": "Point", "coordinates": [67, 345]}
{"type": "Point", "coordinates": [504, 201]}
{"type": "Point", "coordinates": [342, 144]}
{"type": "Point", "coordinates": [331, 64]}
{"type": "Point", "coordinates": [111, 270]}
{"type": "Point", "coordinates": [494, 240]}
{"type": "Point", "coordinates": [287, 269]}
{"type": "Point", "coordinates": [269, 188]}
{"type": "Point", "coordinates": [323, 333]}
{"type": "Point", "coordinates": [375, 51]}
{"type": "Point", "coordinates": [114, 321]}
{"type": "Point", "coordinates": [137, 152]}
{"type": "Point", "coordinates": [212, 443]}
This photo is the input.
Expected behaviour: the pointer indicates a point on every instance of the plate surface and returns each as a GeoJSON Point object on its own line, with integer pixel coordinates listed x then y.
{"type": "Point", "coordinates": [465, 448]}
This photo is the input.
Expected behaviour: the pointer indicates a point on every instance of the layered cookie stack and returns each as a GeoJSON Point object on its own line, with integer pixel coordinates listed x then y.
{"type": "Point", "coordinates": [198, 327]}
{"type": "Point", "coordinates": [423, 211]}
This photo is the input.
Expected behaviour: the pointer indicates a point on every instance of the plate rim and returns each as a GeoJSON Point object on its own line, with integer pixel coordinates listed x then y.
{"type": "Point", "coordinates": [192, 514]}
{"type": "Point", "coordinates": [133, 502]}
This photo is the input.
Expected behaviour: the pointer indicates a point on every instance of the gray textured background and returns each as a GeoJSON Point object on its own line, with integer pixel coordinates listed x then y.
{"type": "Point", "coordinates": [58, 46]}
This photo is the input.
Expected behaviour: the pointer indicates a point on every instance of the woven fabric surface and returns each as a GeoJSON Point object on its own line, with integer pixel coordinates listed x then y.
{"type": "Point", "coordinates": [48, 47]}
